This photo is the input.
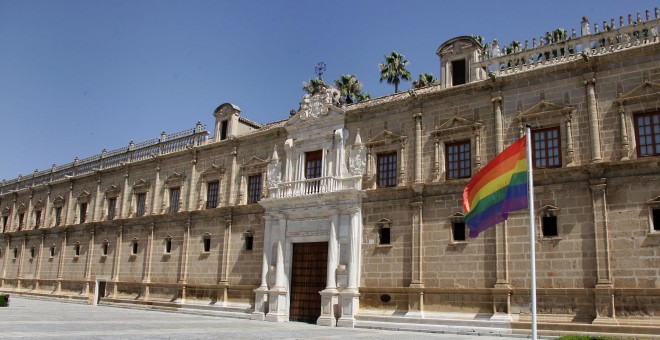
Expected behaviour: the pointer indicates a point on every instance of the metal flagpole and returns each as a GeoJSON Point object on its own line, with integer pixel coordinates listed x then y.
{"type": "Point", "coordinates": [532, 234]}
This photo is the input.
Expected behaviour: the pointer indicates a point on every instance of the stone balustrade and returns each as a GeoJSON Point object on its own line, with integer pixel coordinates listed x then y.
{"type": "Point", "coordinates": [132, 153]}
{"type": "Point", "coordinates": [549, 51]}
{"type": "Point", "coordinates": [314, 186]}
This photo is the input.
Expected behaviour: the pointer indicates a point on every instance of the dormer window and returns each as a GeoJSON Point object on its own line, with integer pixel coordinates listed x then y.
{"type": "Point", "coordinates": [458, 72]}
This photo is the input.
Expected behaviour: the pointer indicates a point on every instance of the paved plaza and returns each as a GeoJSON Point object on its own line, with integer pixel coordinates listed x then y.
{"type": "Point", "coordinates": [41, 319]}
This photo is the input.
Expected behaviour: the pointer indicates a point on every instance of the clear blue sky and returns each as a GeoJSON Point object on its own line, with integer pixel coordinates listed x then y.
{"type": "Point", "coordinates": [80, 76]}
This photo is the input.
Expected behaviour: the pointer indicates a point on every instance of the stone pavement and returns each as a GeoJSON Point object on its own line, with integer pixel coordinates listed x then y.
{"type": "Point", "coordinates": [41, 319]}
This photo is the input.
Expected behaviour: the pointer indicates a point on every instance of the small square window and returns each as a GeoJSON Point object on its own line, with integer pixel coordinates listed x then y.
{"type": "Point", "coordinates": [458, 231]}
{"type": "Point", "coordinates": [168, 246]}
{"type": "Point", "coordinates": [549, 226]}
{"type": "Point", "coordinates": [249, 241]}
{"type": "Point", "coordinates": [207, 244]}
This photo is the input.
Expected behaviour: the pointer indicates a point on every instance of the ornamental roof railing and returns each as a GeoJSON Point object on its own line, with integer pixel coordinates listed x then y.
{"type": "Point", "coordinates": [558, 47]}
{"type": "Point", "coordinates": [132, 153]}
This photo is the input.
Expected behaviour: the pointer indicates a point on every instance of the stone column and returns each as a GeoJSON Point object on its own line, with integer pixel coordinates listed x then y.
{"type": "Point", "coordinates": [592, 111]}
{"type": "Point", "coordinates": [20, 263]}
{"type": "Point", "coordinates": [14, 215]}
{"type": "Point", "coordinates": [417, 118]}
{"type": "Point", "coordinates": [90, 257]}
{"type": "Point", "coordinates": [28, 213]}
{"type": "Point", "coordinates": [604, 290]}
{"type": "Point", "coordinates": [60, 265]}
{"type": "Point", "coordinates": [350, 297]}
{"type": "Point", "coordinates": [96, 205]}
{"type": "Point", "coordinates": [261, 297]}
{"type": "Point", "coordinates": [232, 200]}
{"type": "Point", "coordinates": [69, 217]}
{"type": "Point", "coordinates": [277, 296]}
{"type": "Point", "coordinates": [416, 291]}
{"type": "Point", "coordinates": [190, 201]}
{"type": "Point", "coordinates": [4, 261]}
{"type": "Point", "coordinates": [146, 277]}
{"type": "Point", "coordinates": [37, 275]}
{"type": "Point", "coordinates": [47, 208]}
{"type": "Point", "coordinates": [183, 275]}
{"type": "Point", "coordinates": [329, 295]}
{"type": "Point", "coordinates": [156, 196]}
{"type": "Point", "coordinates": [117, 262]}
{"type": "Point", "coordinates": [625, 144]}
{"type": "Point", "coordinates": [125, 207]}
{"type": "Point", "coordinates": [402, 165]}
{"type": "Point", "coordinates": [497, 112]}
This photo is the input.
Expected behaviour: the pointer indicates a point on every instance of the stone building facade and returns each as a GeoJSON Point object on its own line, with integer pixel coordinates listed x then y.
{"type": "Point", "coordinates": [351, 215]}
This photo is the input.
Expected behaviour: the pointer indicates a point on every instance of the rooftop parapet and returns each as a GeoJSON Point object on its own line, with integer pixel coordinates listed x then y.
{"type": "Point", "coordinates": [132, 153]}
{"type": "Point", "coordinates": [558, 46]}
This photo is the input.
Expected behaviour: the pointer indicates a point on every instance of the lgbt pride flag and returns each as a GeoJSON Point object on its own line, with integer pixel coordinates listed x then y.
{"type": "Point", "coordinates": [497, 189]}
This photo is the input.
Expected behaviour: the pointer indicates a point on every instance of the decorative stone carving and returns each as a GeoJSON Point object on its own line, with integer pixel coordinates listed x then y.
{"type": "Point", "coordinates": [317, 105]}
{"type": "Point", "coordinates": [174, 180]}
{"type": "Point", "coordinates": [274, 169]}
{"type": "Point", "coordinates": [358, 157]}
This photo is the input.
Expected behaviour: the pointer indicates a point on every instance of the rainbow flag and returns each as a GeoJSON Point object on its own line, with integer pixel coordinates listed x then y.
{"type": "Point", "coordinates": [497, 189]}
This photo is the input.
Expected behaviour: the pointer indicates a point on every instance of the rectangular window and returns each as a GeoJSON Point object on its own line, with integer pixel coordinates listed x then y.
{"type": "Point", "coordinates": [384, 235]}
{"type": "Point", "coordinates": [58, 216]}
{"type": "Point", "coordinates": [546, 148]}
{"type": "Point", "coordinates": [249, 241]}
{"type": "Point", "coordinates": [458, 72]}
{"type": "Point", "coordinates": [549, 225]}
{"type": "Point", "coordinates": [212, 194]}
{"type": "Point", "coordinates": [313, 167]}
{"type": "Point", "coordinates": [15, 252]}
{"type": "Point", "coordinates": [4, 223]}
{"type": "Point", "coordinates": [207, 245]}
{"type": "Point", "coordinates": [52, 251]}
{"type": "Point", "coordinates": [83, 212]}
{"type": "Point", "coordinates": [223, 129]}
{"type": "Point", "coordinates": [141, 200]}
{"type": "Point", "coordinates": [647, 126]}
{"type": "Point", "coordinates": [175, 194]}
{"type": "Point", "coordinates": [112, 208]}
{"type": "Point", "coordinates": [104, 249]}
{"type": "Point", "coordinates": [656, 219]}
{"type": "Point", "coordinates": [37, 219]}
{"type": "Point", "coordinates": [32, 252]}
{"type": "Point", "coordinates": [76, 250]}
{"type": "Point", "coordinates": [21, 220]}
{"type": "Point", "coordinates": [254, 189]}
{"type": "Point", "coordinates": [134, 248]}
{"type": "Point", "coordinates": [168, 246]}
{"type": "Point", "coordinates": [386, 171]}
{"type": "Point", "coordinates": [458, 160]}
{"type": "Point", "coordinates": [458, 231]}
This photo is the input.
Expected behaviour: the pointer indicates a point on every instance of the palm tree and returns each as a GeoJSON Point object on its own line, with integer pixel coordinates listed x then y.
{"type": "Point", "coordinates": [351, 89]}
{"type": "Point", "coordinates": [425, 79]}
{"type": "Point", "coordinates": [394, 69]}
{"type": "Point", "coordinates": [313, 86]}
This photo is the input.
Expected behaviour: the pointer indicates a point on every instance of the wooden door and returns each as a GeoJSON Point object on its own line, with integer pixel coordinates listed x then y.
{"type": "Point", "coordinates": [101, 291]}
{"type": "Point", "coordinates": [308, 278]}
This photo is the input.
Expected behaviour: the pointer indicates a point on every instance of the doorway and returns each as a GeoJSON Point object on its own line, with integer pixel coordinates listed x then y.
{"type": "Point", "coordinates": [308, 278]}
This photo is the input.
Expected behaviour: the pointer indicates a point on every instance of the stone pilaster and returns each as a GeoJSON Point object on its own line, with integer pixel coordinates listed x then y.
{"type": "Point", "coordinates": [157, 196]}
{"type": "Point", "coordinates": [329, 296]}
{"type": "Point", "coordinates": [96, 202]}
{"type": "Point", "coordinates": [60, 264]}
{"type": "Point", "coordinates": [350, 297]}
{"type": "Point", "coordinates": [125, 204]}
{"type": "Point", "coordinates": [117, 262]}
{"type": "Point", "coordinates": [261, 298]}
{"type": "Point", "coordinates": [224, 260]}
{"type": "Point", "coordinates": [190, 201]}
{"type": "Point", "coordinates": [277, 296]}
{"type": "Point", "coordinates": [604, 290]}
{"type": "Point", "coordinates": [183, 275]}
{"type": "Point", "coordinates": [592, 111]}
{"type": "Point", "coordinates": [497, 113]}
{"type": "Point", "coordinates": [415, 296]}
{"type": "Point", "coordinates": [417, 120]}
{"type": "Point", "coordinates": [90, 256]}
{"type": "Point", "coordinates": [21, 254]}
{"type": "Point", "coordinates": [37, 274]}
{"type": "Point", "coordinates": [146, 277]}
{"type": "Point", "coordinates": [69, 216]}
